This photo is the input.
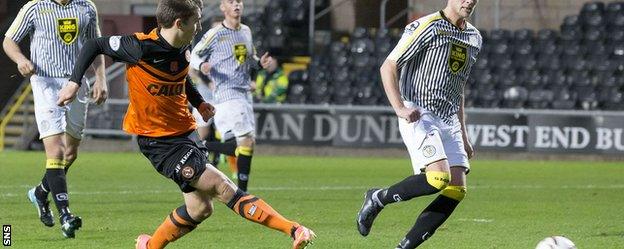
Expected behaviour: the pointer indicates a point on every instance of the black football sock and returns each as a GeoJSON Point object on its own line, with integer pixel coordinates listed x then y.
{"type": "Point", "coordinates": [58, 186]}
{"type": "Point", "coordinates": [414, 186]}
{"type": "Point", "coordinates": [42, 190]}
{"type": "Point", "coordinates": [243, 162]}
{"type": "Point", "coordinates": [228, 148]}
{"type": "Point", "coordinates": [428, 221]}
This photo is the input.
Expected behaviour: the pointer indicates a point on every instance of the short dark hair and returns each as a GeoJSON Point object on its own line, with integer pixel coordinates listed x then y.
{"type": "Point", "coordinates": [170, 10]}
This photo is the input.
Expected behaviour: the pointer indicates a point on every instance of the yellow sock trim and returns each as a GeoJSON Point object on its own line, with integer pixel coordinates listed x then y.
{"type": "Point", "coordinates": [65, 163]}
{"type": "Point", "coordinates": [244, 150]}
{"type": "Point", "coordinates": [55, 164]}
{"type": "Point", "coordinates": [455, 192]}
{"type": "Point", "coordinates": [438, 179]}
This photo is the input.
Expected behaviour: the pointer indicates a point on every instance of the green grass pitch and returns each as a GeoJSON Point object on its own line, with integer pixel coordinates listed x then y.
{"type": "Point", "coordinates": [510, 204]}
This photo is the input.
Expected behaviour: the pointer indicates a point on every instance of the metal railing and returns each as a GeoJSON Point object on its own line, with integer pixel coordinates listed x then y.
{"type": "Point", "coordinates": [14, 108]}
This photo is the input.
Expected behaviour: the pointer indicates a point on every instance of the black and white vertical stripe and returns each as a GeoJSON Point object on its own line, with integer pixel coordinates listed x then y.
{"type": "Point", "coordinates": [39, 19]}
{"type": "Point", "coordinates": [422, 57]}
{"type": "Point", "coordinates": [217, 47]}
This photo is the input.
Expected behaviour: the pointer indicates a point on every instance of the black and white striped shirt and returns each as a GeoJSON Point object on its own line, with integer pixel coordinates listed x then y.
{"type": "Point", "coordinates": [434, 58]}
{"type": "Point", "coordinates": [57, 33]}
{"type": "Point", "coordinates": [231, 55]}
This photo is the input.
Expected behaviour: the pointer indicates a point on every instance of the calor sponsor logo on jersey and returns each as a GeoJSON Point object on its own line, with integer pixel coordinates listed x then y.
{"type": "Point", "coordinates": [165, 89]}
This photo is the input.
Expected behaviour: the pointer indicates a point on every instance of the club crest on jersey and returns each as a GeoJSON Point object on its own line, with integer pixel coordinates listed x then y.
{"type": "Point", "coordinates": [68, 29]}
{"type": "Point", "coordinates": [429, 151]}
{"type": "Point", "coordinates": [457, 57]}
{"type": "Point", "coordinates": [240, 53]}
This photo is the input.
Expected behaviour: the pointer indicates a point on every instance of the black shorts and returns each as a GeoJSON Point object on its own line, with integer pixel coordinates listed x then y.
{"type": "Point", "coordinates": [180, 158]}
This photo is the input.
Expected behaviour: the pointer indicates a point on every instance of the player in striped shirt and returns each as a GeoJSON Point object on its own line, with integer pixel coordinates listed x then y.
{"type": "Point", "coordinates": [226, 53]}
{"type": "Point", "coordinates": [424, 78]}
{"type": "Point", "coordinates": [159, 90]}
{"type": "Point", "coordinates": [58, 29]}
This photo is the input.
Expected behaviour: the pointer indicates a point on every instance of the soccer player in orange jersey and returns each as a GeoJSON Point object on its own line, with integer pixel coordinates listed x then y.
{"type": "Point", "coordinates": [159, 89]}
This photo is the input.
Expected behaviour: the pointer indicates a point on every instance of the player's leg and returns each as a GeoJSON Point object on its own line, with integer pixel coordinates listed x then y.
{"type": "Point", "coordinates": [50, 120]}
{"type": "Point", "coordinates": [441, 208]}
{"type": "Point", "coordinates": [237, 116]}
{"type": "Point", "coordinates": [438, 211]}
{"type": "Point", "coordinates": [424, 145]}
{"type": "Point", "coordinates": [181, 221]}
{"type": "Point", "coordinates": [244, 154]}
{"type": "Point", "coordinates": [252, 207]}
{"type": "Point", "coordinates": [38, 195]}
{"type": "Point", "coordinates": [74, 122]}
{"type": "Point", "coordinates": [227, 147]}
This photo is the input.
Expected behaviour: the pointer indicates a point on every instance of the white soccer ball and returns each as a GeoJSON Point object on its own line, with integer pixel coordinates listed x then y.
{"type": "Point", "coordinates": [556, 242]}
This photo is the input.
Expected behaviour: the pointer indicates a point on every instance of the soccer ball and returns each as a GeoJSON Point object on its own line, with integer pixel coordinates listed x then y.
{"type": "Point", "coordinates": [556, 242]}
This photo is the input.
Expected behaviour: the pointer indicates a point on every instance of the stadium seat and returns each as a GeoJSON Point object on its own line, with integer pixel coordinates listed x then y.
{"type": "Point", "coordinates": [564, 100]}
{"type": "Point", "coordinates": [515, 97]}
{"type": "Point", "coordinates": [343, 96]}
{"type": "Point", "coordinates": [366, 96]}
{"type": "Point", "coordinates": [592, 7]}
{"type": "Point", "coordinates": [610, 98]}
{"type": "Point", "coordinates": [548, 63]}
{"type": "Point", "coordinates": [298, 76]}
{"type": "Point", "coordinates": [531, 79]}
{"type": "Point", "coordinates": [500, 35]}
{"type": "Point", "coordinates": [586, 97]}
{"type": "Point", "coordinates": [296, 94]}
{"type": "Point", "coordinates": [488, 98]}
{"type": "Point", "coordinates": [540, 99]}
{"type": "Point", "coordinates": [523, 35]}
{"type": "Point", "coordinates": [547, 35]}
{"type": "Point", "coordinates": [554, 78]}
{"type": "Point", "coordinates": [359, 33]}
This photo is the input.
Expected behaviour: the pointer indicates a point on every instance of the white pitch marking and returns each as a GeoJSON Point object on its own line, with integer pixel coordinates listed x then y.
{"type": "Point", "coordinates": [320, 188]}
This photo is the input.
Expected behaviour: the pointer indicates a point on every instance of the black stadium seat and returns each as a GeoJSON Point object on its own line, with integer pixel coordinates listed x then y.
{"type": "Point", "coordinates": [515, 97]}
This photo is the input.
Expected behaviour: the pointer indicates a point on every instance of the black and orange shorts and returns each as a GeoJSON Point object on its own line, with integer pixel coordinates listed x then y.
{"type": "Point", "coordinates": [180, 158]}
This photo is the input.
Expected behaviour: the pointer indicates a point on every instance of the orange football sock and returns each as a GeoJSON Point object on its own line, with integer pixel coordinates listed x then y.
{"type": "Point", "coordinates": [232, 163]}
{"type": "Point", "coordinates": [255, 209]}
{"type": "Point", "coordinates": [176, 225]}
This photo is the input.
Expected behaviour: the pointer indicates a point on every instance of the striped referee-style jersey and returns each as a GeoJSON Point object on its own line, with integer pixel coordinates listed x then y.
{"type": "Point", "coordinates": [434, 58]}
{"type": "Point", "coordinates": [231, 55]}
{"type": "Point", "coordinates": [57, 33]}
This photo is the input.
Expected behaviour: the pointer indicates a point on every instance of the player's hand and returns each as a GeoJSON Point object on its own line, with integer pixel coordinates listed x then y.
{"type": "Point", "coordinates": [409, 114]}
{"type": "Point", "coordinates": [26, 68]}
{"type": "Point", "coordinates": [68, 93]}
{"type": "Point", "coordinates": [469, 149]}
{"type": "Point", "coordinates": [265, 60]}
{"type": "Point", "coordinates": [205, 68]}
{"type": "Point", "coordinates": [99, 93]}
{"type": "Point", "coordinates": [206, 110]}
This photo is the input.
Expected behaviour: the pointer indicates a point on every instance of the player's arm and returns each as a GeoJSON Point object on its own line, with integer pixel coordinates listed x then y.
{"type": "Point", "coordinates": [414, 39]}
{"type": "Point", "coordinates": [21, 26]}
{"type": "Point", "coordinates": [100, 87]}
{"type": "Point", "coordinates": [462, 120]}
{"type": "Point", "coordinates": [201, 53]}
{"type": "Point", "coordinates": [206, 110]}
{"type": "Point", "coordinates": [121, 48]}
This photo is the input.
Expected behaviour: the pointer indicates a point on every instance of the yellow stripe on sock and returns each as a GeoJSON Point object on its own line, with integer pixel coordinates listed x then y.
{"type": "Point", "coordinates": [438, 179]}
{"type": "Point", "coordinates": [55, 164]}
{"type": "Point", "coordinates": [455, 192]}
{"type": "Point", "coordinates": [244, 150]}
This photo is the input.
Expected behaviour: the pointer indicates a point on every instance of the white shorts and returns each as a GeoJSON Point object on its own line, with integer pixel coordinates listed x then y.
{"type": "Point", "coordinates": [52, 119]}
{"type": "Point", "coordinates": [430, 139]}
{"type": "Point", "coordinates": [235, 116]}
{"type": "Point", "coordinates": [207, 94]}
